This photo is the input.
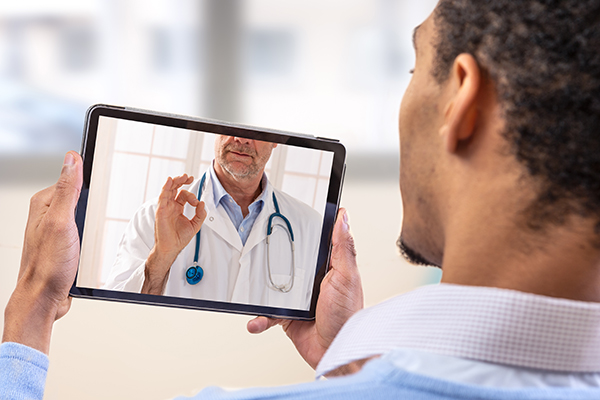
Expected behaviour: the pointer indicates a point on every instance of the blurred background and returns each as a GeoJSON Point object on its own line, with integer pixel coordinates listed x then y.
{"type": "Point", "coordinates": [331, 68]}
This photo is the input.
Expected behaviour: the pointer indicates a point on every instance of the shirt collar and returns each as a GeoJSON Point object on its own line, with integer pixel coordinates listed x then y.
{"type": "Point", "coordinates": [486, 324]}
{"type": "Point", "coordinates": [219, 191]}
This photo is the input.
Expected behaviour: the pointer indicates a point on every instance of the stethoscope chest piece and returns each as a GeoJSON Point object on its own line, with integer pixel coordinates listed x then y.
{"type": "Point", "coordinates": [194, 274]}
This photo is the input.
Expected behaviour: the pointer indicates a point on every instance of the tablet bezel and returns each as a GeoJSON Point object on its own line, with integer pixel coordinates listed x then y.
{"type": "Point", "coordinates": [224, 128]}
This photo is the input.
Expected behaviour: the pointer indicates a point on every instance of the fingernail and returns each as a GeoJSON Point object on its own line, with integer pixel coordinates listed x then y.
{"type": "Point", "coordinates": [69, 159]}
{"type": "Point", "coordinates": [67, 168]}
{"type": "Point", "coordinates": [345, 221]}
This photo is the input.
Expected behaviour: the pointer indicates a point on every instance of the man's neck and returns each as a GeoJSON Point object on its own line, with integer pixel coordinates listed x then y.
{"type": "Point", "coordinates": [244, 191]}
{"type": "Point", "coordinates": [558, 262]}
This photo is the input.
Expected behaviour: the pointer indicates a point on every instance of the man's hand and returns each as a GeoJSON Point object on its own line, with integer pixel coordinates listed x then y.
{"type": "Point", "coordinates": [172, 231]}
{"type": "Point", "coordinates": [341, 296]}
{"type": "Point", "coordinates": [49, 261]}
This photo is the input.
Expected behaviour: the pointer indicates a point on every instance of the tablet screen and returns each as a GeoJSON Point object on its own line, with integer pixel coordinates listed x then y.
{"type": "Point", "coordinates": [270, 200]}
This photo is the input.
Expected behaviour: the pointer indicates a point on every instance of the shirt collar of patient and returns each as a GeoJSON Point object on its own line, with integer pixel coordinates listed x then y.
{"type": "Point", "coordinates": [233, 210]}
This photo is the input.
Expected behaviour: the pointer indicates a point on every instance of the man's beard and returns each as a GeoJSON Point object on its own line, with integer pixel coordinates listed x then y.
{"type": "Point", "coordinates": [413, 256]}
{"type": "Point", "coordinates": [249, 171]}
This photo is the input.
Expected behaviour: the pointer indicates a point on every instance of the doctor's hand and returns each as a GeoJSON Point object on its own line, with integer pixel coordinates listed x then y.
{"type": "Point", "coordinates": [49, 261]}
{"type": "Point", "coordinates": [341, 296]}
{"type": "Point", "coordinates": [172, 231]}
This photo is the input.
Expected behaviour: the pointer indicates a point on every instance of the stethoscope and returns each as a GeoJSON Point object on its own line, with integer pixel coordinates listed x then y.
{"type": "Point", "coordinates": [195, 273]}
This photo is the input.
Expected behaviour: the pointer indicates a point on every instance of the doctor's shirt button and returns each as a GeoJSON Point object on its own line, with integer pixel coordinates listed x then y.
{"type": "Point", "coordinates": [211, 219]}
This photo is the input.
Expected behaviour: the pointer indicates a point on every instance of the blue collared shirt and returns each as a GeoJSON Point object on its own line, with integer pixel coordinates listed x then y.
{"type": "Point", "coordinates": [23, 376]}
{"type": "Point", "coordinates": [557, 338]}
{"type": "Point", "coordinates": [243, 225]}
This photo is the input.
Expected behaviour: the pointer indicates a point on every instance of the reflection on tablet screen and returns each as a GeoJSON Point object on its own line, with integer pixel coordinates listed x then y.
{"type": "Point", "coordinates": [258, 243]}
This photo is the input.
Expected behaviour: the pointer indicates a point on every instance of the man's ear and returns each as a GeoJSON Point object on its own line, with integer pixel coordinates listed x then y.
{"type": "Point", "coordinates": [461, 114]}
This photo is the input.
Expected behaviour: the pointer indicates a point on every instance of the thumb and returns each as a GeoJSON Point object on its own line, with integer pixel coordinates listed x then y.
{"type": "Point", "coordinates": [344, 274]}
{"type": "Point", "coordinates": [199, 217]}
{"type": "Point", "coordinates": [343, 251]}
{"type": "Point", "coordinates": [68, 187]}
{"type": "Point", "coordinates": [261, 324]}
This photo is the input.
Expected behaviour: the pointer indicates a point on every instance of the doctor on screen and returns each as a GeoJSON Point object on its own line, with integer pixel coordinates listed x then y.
{"type": "Point", "coordinates": [244, 242]}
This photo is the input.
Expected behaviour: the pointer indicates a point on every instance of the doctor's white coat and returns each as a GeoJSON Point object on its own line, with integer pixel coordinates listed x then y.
{"type": "Point", "coordinates": [232, 272]}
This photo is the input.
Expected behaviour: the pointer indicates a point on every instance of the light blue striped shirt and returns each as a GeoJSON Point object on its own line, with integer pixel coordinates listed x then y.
{"type": "Point", "coordinates": [242, 224]}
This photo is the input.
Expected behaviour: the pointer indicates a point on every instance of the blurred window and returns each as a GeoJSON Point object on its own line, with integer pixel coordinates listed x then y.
{"type": "Point", "coordinates": [161, 49]}
{"type": "Point", "coordinates": [270, 52]}
{"type": "Point", "coordinates": [78, 48]}
{"type": "Point", "coordinates": [329, 68]}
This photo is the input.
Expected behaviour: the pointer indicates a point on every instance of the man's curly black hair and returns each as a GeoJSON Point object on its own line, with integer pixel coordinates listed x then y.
{"type": "Point", "coordinates": [544, 59]}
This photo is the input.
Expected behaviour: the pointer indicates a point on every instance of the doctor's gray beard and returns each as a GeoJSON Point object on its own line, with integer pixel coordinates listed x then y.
{"type": "Point", "coordinates": [248, 172]}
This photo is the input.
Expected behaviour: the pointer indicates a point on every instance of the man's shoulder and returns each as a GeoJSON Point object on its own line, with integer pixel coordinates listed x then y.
{"type": "Point", "coordinates": [382, 380]}
{"type": "Point", "coordinates": [363, 385]}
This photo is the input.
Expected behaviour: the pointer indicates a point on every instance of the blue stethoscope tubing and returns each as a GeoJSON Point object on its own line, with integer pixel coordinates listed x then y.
{"type": "Point", "coordinates": [195, 273]}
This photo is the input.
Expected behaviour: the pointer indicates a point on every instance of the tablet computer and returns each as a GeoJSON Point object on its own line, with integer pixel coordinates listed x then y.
{"type": "Point", "coordinates": [194, 213]}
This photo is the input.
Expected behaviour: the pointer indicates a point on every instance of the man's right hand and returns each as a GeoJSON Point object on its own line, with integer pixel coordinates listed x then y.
{"type": "Point", "coordinates": [172, 231]}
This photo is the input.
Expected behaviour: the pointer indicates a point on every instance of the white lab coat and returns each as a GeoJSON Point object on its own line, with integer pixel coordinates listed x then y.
{"type": "Point", "coordinates": [232, 272]}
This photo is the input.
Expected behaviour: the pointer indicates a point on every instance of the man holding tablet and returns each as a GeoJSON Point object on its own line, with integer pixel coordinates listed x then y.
{"type": "Point", "coordinates": [235, 262]}
{"type": "Point", "coordinates": [500, 179]}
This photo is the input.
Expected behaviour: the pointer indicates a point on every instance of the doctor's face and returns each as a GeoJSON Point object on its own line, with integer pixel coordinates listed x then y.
{"type": "Point", "coordinates": [242, 158]}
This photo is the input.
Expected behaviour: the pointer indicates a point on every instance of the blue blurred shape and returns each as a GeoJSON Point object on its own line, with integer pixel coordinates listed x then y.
{"type": "Point", "coordinates": [33, 122]}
